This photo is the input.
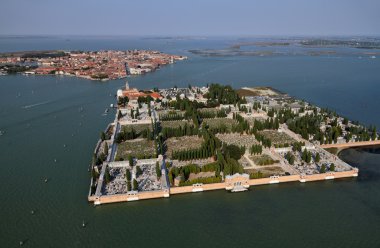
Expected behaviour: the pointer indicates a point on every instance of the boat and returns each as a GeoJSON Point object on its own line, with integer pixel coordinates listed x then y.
{"type": "Point", "coordinates": [46, 180]}
{"type": "Point", "coordinates": [83, 224]}
{"type": "Point", "coordinates": [373, 57]}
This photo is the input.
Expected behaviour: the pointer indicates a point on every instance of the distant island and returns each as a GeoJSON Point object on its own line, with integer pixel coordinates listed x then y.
{"type": "Point", "coordinates": [295, 46]}
{"type": "Point", "coordinates": [93, 65]}
{"type": "Point", "coordinates": [182, 140]}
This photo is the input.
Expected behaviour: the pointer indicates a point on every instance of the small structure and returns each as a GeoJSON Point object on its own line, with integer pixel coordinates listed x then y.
{"type": "Point", "coordinates": [237, 182]}
{"type": "Point", "coordinates": [177, 180]}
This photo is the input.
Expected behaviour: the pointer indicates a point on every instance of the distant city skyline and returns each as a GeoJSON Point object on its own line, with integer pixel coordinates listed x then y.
{"type": "Point", "coordinates": [190, 18]}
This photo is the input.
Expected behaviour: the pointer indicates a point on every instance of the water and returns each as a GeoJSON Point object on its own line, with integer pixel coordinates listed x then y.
{"type": "Point", "coordinates": [43, 122]}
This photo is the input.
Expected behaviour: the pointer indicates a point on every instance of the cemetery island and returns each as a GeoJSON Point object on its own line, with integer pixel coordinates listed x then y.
{"type": "Point", "coordinates": [183, 140]}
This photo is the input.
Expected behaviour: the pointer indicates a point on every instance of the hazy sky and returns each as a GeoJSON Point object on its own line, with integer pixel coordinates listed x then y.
{"type": "Point", "coordinates": [192, 17]}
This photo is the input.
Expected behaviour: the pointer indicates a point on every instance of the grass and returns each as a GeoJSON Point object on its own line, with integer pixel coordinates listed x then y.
{"type": "Point", "coordinates": [182, 143]}
{"type": "Point", "coordinates": [277, 138]}
{"type": "Point", "coordinates": [332, 150]}
{"type": "Point", "coordinates": [237, 139]}
{"type": "Point", "coordinates": [267, 171]}
{"type": "Point", "coordinates": [217, 122]}
{"type": "Point", "coordinates": [138, 148]}
{"type": "Point", "coordinates": [137, 127]}
{"type": "Point", "coordinates": [175, 124]}
{"type": "Point", "coordinates": [263, 159]}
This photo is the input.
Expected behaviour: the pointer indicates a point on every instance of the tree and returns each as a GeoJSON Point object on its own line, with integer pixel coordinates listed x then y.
{"type": "Point", "coordinates": [130, 160]}
{"type": "Point", "coordinates": [106, 148]}
{"type": "Point", "coordinates": [332, 167]}
{"type": "Point", "coordinates": [128, 175]}
{"type": "Point", "coordinates": [317, 157]}
{"type": "Point", "coordinates": [119, 115]}
{"type": "Point", "coordinates": [323, 169]}
{"type": "Point", "coordinates": [138, 171]}
{"type": "Point", "coordinates": [107, 176]}
{"type": "Point", "coordinates": [158, 170]}
{"type": "Point", "coordinates": [374, 133]}
{"type": "Point", "coordinates": [129, 186]}
{"type": "Point", "coordinates": [102, 136]}
{"type": "Point", "coordinates": [135, 184]}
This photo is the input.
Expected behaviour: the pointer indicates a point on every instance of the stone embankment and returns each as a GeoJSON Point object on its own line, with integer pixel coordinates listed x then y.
{"type": "Point", "coordinates": [134, 196]}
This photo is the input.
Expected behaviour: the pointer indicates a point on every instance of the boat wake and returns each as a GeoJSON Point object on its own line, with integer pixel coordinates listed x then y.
{"type": "Point", "coordinates": [35, 105]}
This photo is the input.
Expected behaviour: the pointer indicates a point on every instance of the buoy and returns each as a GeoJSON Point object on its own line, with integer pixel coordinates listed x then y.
{"type": "Point", "coordinates": [64, 145]}
{"type": "Point", "coordinates": [21, 243]}
{"type": "Point", "coordinates": [32, 212]}
{"type": "Point", "coordinates": [55, 160]}
{"type": "Point", "coordinates": [46, 180]}
{"type": "Point", "coordinates": [83, 224]}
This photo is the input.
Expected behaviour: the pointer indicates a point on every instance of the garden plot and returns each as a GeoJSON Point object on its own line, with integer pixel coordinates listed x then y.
{"type": "Point", "coordinates": [263, 160]}
{"type": "Point", "coordinates": [267, 171]}
{"type": "Point", "coordinates": [251, 120]}
{"type": "Point", "coordinates": [182, 143]}
{"type": "Point", "coordinates": [175, 124]}
{"type": "Point", "coordinates": [137, 127]}
{"type": "Point", "coordinates": [277, 138]}
{"type": "Point", "coordinates": [218, 122]}
{"type": "Point", "coordinates": [138, 148]}
{"type": "Point", "coordinates": [238, 139]}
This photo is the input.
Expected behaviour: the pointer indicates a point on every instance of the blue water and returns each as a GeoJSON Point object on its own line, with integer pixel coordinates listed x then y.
{"type": "Point", "coordinates": [41, 114]}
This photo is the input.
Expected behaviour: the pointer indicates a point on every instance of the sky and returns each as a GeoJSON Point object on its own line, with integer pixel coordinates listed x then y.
{"type": "Point", "coordinates": [191, 17]}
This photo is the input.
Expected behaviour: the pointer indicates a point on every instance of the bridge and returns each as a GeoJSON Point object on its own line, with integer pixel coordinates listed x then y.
{"type": "Point", "coordinates": [353, 144]}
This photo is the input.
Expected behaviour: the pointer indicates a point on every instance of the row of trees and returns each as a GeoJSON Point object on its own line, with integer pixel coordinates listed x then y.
{"type": "Point", "coordinates": [242, 126]}
{"type": "Point", "coordinates": [270, 123]}
{"type": "Point", "coordinates": [128, 134]}
{"type": "Point", "coordinates": [266, 142]}
{"type": "Point", "coordinates": [223, 94]}
{"type": "Point", "coordinates": [256, 149]}
{"type": "Point", "coordinates": [128, 177]}
{"type": "Point", "coordinates": [323, 168]}
{"type": "Point", "coordinates": [306, 156]}
{"type": "Point", "coordinates": [206, 150]}
{"type": "Point", "coordinates": [185, 171]}
{"type": "Point", "coordinates": [212, 114]}
{"type": "Point", "coordinates": [186, 130]}
{"type": "Point", "coordinates": [122, 101]}
{"type": "Point", "coordinates": [171, 116]}
{"type": "Point", "coordinates": [290, 157]}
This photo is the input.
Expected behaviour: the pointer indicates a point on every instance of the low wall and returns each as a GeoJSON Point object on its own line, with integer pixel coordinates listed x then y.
{"type": "Point", "coordinates": [191, 189]}
{"type": "Point", "coordinates": [127, 197]}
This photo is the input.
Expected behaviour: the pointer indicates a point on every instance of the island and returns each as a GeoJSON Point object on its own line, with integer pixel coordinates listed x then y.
{"type": "Point", "coordinates": [93, 65]}
{"type": "Point", "coordinates": [164, 142]}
